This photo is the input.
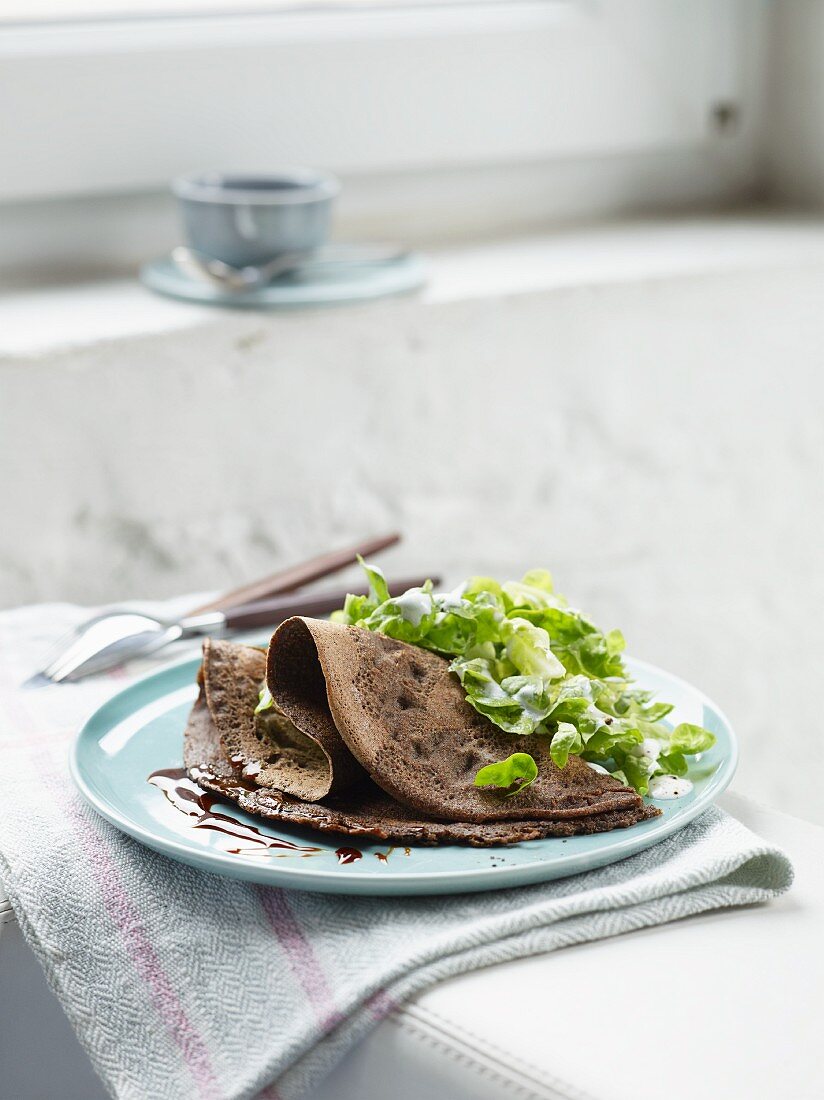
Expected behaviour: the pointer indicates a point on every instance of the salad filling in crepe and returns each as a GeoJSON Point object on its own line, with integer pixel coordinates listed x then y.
{"type": "Point", "coordinates": [404, 716]}
{"type": "Point", "coordinates": [532, 664]}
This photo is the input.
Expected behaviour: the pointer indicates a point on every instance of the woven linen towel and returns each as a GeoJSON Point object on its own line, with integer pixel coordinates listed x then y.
{"type": "Point", "coordinates": [182, 984]}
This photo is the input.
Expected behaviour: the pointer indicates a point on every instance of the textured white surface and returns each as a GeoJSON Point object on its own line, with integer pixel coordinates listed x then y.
{"type": "Point", "coordinates": [657, 443]}
{"type": "Point", "coordinates": [42, 321]}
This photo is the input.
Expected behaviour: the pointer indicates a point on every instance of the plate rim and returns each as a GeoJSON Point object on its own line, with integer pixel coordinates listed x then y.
{"type": "Point", "coordinates": [402, 882]}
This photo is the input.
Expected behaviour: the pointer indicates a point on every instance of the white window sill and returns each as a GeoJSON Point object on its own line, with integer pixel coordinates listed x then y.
{"type": "Point", "coordinates": [38, 321]}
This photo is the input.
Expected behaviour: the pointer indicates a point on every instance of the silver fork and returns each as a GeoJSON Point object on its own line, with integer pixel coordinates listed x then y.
{"type": "Point", "coordinates": [108, 640]}
{"type": "Point", "coordinates": [115, 636]}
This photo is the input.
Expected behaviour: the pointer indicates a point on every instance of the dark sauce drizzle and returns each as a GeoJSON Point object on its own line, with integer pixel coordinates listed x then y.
{"type": "Point", "coordinates": [197, 804]}
{"type": "Point", "coordinates": [349, 855]}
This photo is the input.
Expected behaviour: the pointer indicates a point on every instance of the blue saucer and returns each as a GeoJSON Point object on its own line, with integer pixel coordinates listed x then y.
{"type": "Point", "coordinates": [329, 286]}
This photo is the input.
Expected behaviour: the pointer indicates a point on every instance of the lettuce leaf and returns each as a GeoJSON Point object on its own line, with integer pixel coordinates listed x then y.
{"type": "Point", "coordinates": [534, 665]}
{"type": "Point", "coordinates": [265, 700]}
{"type": "Point", "coordinates": [514, 773]}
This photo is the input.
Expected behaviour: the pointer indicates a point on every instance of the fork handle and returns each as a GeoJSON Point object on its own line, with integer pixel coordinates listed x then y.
{"type": "Point", "coordinates": [295, 576]}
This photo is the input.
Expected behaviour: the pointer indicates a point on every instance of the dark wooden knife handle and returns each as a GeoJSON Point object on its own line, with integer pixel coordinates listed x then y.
{"type": "Point", "coordinates": [295, 576]}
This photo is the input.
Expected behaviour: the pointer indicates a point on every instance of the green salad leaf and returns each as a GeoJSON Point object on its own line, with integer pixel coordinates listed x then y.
{"type": "Point", "coordinates": [534, 665]}
{"type": "Point", "coordinates": [516, 772]}
{"type": "Point", "coordinates": [265, 700]}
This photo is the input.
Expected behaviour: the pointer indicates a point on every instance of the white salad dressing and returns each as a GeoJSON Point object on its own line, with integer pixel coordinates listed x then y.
{"type": "Point", "coordinates": [668, 786]}
{"type": "Point", "coordinates": [649, 749]}
{"type": "Point", "coordinates": [413, 605]}
{"type": "Point", "coordinates": [661, 787]}
{"type": "Point", "coordinates": [450, 601]}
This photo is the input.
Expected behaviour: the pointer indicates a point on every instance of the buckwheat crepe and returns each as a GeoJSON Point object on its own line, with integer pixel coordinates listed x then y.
{"type": "Point", "coordinates": [404, 716]}
{"type": "Point", "coordinates": [348, 698]}
{"type": "Point", "coordinates": [366, 811]}
{"type": "Point", "coordinates": [308, 762]}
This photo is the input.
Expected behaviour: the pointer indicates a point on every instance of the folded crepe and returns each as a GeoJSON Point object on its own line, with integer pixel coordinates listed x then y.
{"type": "Point", "coordinates": [374, 737]}
{"type": "Point", "coordinates": [267, 746]}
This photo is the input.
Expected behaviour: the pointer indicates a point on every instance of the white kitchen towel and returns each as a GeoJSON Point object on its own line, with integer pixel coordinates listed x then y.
{"type": "Point", "coordinates": [182, 984]}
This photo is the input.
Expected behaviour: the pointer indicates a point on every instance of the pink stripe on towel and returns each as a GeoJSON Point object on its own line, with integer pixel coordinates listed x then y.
{"type": "Point", "coordinates": [126, 919]}
{"type": "Point", "coordinates": [301, 956]}
{"type": "Point", "coordinates": [144, 956]}
{"type": "Point", "coordinates": [269, 1093]}
{"type": "Point", "coordinates": [380, 1004]}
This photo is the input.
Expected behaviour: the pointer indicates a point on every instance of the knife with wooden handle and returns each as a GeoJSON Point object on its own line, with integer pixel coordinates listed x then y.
{"type": "Point", "coordinates": [295, 576]}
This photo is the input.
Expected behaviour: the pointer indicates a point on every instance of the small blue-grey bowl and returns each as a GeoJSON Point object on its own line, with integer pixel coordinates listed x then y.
{"type": "Point", "coordinates": [246, 219]}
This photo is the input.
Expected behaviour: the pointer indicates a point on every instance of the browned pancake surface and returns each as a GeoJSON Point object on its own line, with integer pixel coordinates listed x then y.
{"type": "Point", "coordinates": [369, 811]}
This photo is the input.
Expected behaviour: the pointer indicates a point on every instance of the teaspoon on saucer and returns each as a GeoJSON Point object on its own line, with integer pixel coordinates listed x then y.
{"type": "Point", "coordinates": [199, 266]}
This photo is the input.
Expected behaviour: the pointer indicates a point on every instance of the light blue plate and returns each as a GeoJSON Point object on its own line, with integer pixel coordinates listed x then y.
{"type": "Point", "coordinates": [332, 286]}
{"type": "Point", "coordinates": [140, 730]}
